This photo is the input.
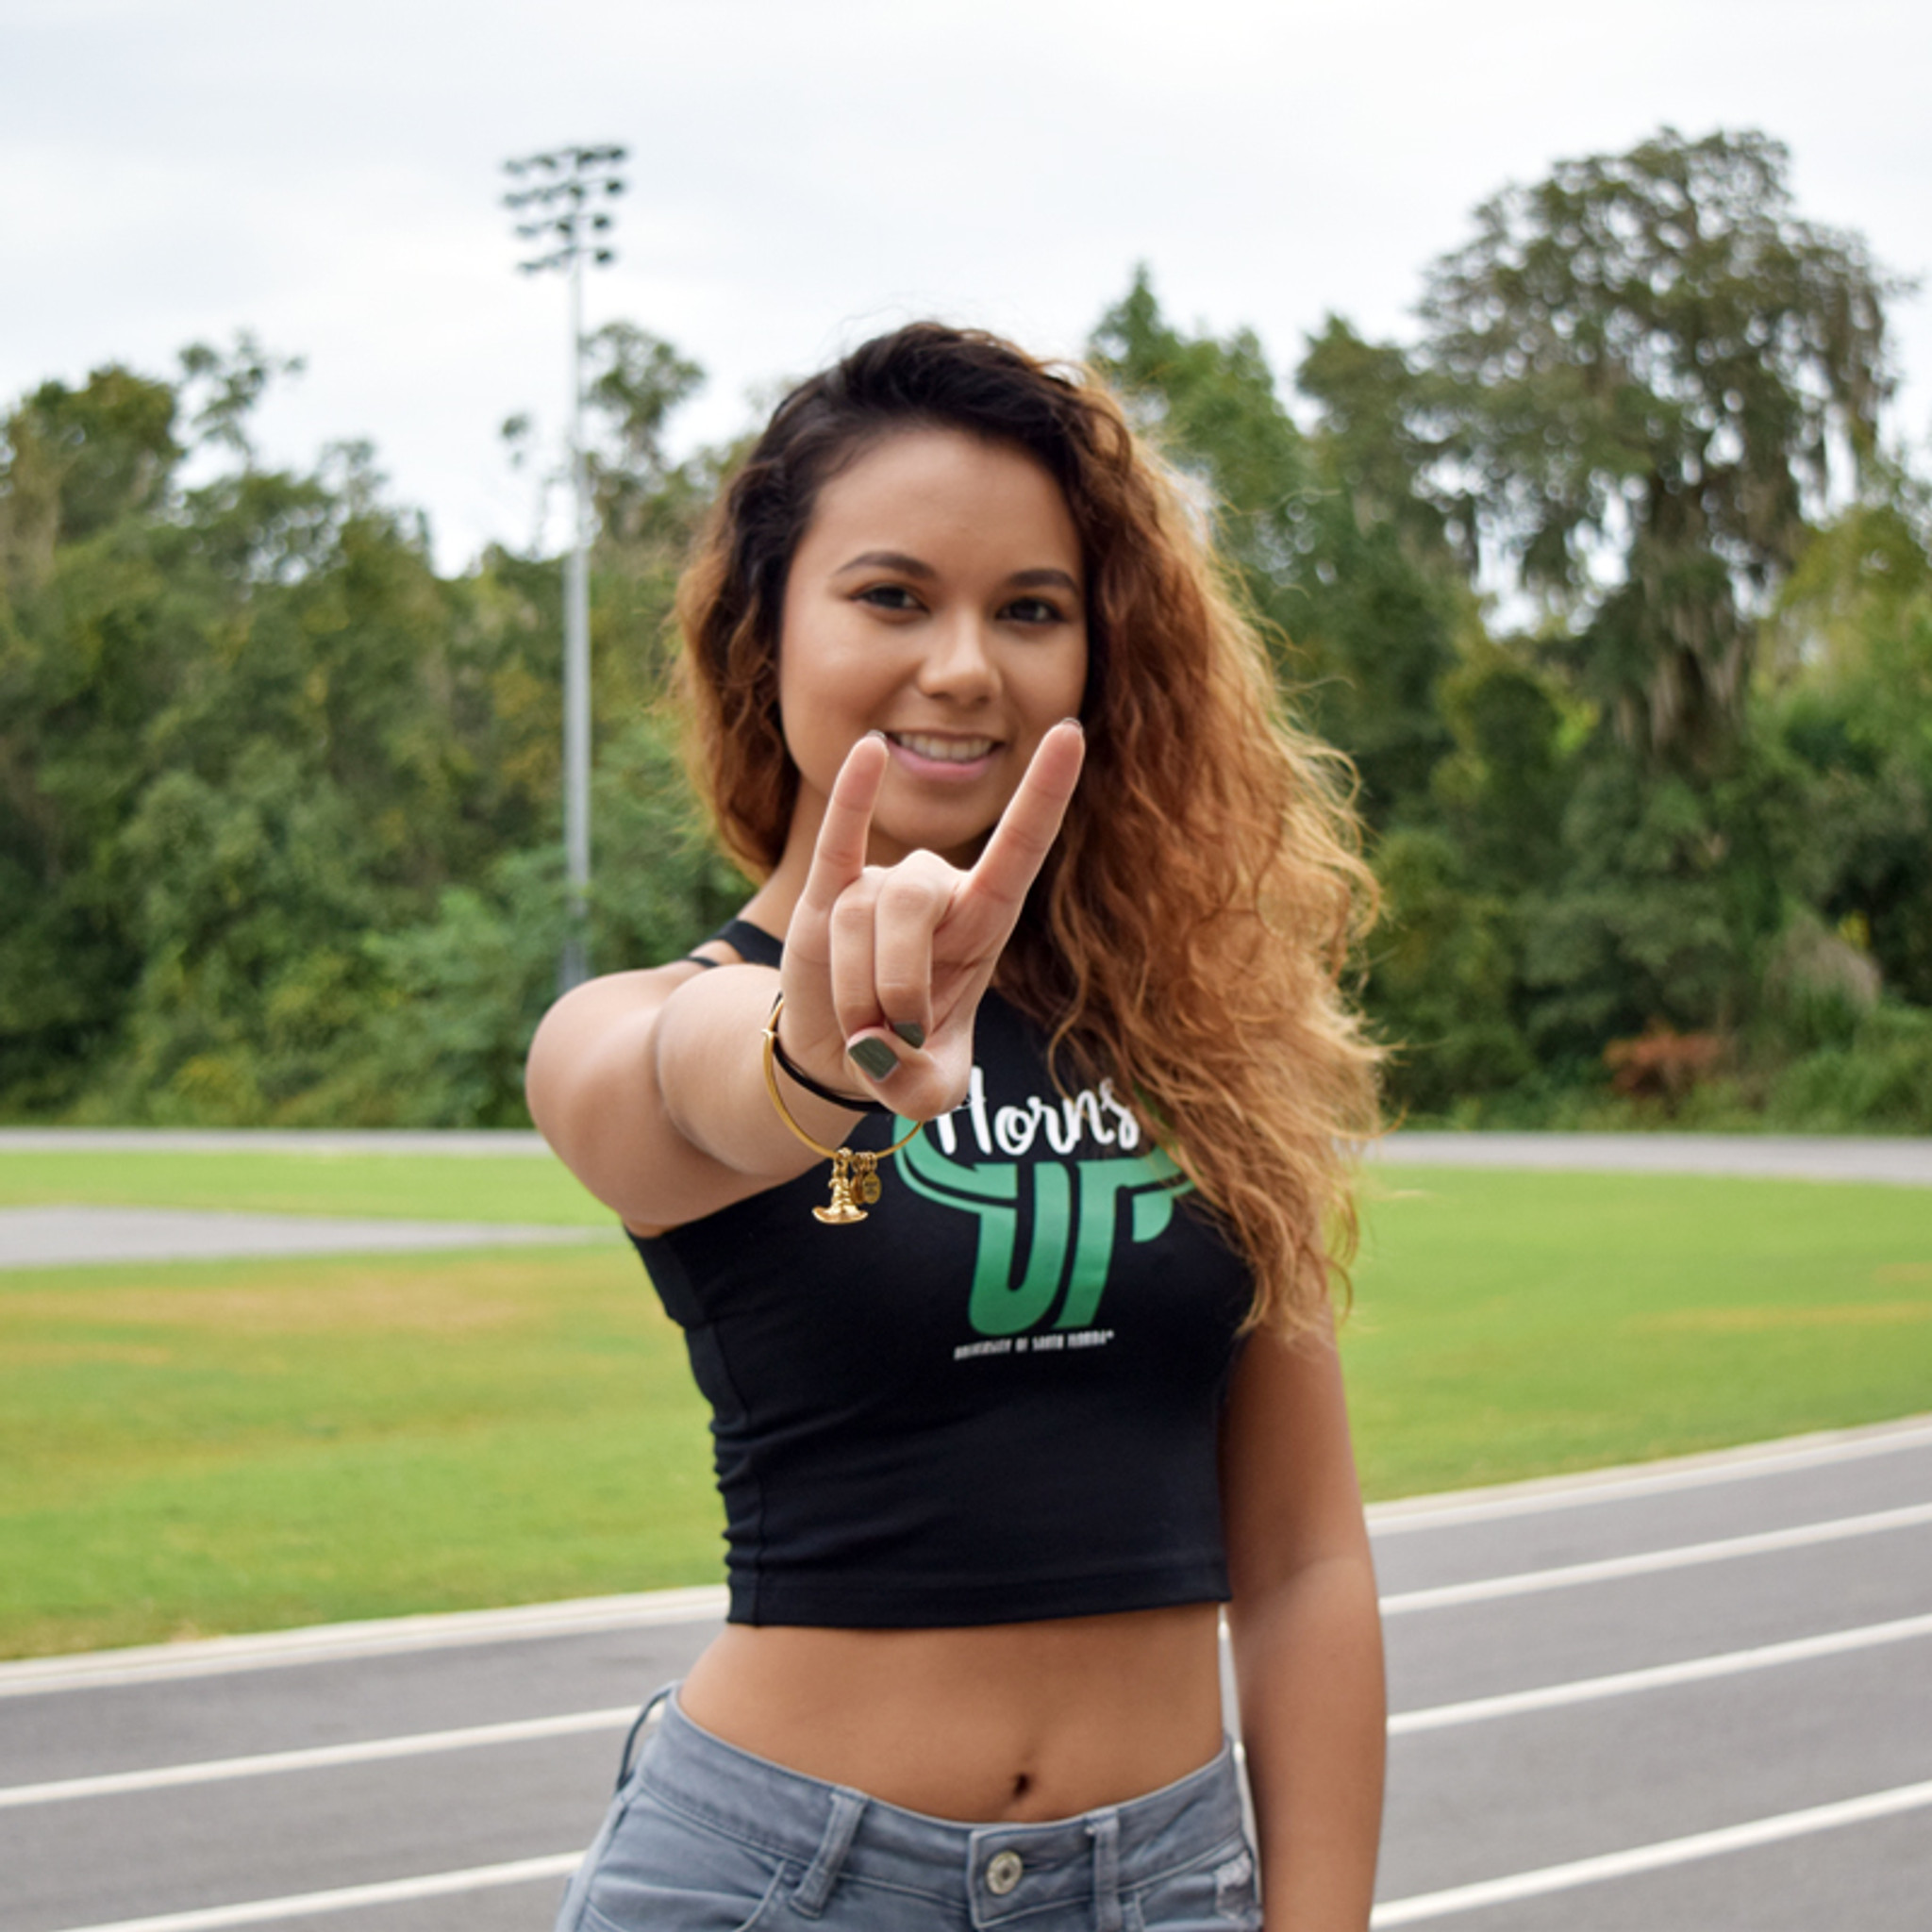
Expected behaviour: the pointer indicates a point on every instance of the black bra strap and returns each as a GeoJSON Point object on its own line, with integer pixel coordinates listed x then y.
{"type": "Point", "coordinates": [752, 943]}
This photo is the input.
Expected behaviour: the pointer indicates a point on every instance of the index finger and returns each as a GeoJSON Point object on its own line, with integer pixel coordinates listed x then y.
{"type": "Point", "coordinates": [1031, 820]}
{"type": "Point", "coordinates": [838, 855]}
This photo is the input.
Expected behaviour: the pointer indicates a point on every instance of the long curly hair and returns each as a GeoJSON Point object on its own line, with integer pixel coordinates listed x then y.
{"type": "Point", "coordinates": [1189, 934]}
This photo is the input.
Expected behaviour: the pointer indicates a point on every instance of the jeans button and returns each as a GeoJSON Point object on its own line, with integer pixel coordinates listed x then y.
{"type": "Point", "coordinates": [1003, 1871]}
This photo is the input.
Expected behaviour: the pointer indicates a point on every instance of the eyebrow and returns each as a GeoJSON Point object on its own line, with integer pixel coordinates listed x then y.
{"type": "Point", "coordinates": [887, 560]}
{"type": "Point", "coordinates": [912, 567]}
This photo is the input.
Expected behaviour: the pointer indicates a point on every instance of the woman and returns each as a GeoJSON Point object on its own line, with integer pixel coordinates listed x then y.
{"type": "Point", "coordinates": [1053, 905]}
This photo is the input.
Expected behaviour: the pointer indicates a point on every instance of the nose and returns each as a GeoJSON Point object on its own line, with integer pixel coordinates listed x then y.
{"type": "Point", "coordinates": [958, 662]}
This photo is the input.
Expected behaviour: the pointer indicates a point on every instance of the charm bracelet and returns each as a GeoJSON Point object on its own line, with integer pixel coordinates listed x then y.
{"type": "Point", "coordinates": [855, 1171]}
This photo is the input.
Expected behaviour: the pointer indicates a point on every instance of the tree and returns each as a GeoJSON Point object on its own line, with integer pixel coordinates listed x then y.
{"type": "Point", "coordinates": [1364, 619]}
{"type": "Point", "coordinates": [1853, 708]}
{"type": "Point", "coordinates": [1639, 368]}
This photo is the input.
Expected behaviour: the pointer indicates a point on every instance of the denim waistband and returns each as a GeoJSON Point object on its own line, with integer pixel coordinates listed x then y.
{"type": "Point", "coordinates": [1006, 1871]}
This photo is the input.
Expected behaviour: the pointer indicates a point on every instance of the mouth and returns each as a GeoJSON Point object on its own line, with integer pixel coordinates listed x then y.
{"type": "Point", "coordinates": [930, 748]}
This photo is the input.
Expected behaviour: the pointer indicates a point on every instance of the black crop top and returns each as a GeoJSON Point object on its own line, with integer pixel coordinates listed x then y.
{"type": "Point", "coordinates": [996, 1399]}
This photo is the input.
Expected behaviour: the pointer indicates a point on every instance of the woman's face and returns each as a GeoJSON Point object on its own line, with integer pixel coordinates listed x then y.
{"type": "Point", "coordinates": [936, 596]}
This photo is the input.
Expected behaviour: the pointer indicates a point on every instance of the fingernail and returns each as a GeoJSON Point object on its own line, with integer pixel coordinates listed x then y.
{"type": "Point", "coordinates": [1076, 725]}
{"type": "Point", "coordinates": [874, 1056]}
{"type": "Point", "coordinates": [911, 1032]}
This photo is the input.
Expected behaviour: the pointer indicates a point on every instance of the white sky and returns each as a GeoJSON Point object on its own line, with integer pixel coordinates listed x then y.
{"type": "Point", "coordinates": [806, 170]}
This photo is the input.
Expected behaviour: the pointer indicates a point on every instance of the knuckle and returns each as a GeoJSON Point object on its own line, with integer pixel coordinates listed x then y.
{"type": "Point", "coordinates": [854, 908]}
{"type": "Point", "coordinates": [920, 882]}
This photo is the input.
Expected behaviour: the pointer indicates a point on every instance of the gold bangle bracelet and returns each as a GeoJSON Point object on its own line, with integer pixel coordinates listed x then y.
{"type": "Point", "coordinates": [855, 1171]}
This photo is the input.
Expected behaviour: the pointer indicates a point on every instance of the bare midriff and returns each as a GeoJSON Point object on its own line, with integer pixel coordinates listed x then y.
{"type": "Point", "coordinates": [1006, 1723]}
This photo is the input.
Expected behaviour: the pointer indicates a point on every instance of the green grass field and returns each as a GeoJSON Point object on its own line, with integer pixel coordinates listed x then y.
{"type": "Point", "coordinates": [200, 1447]}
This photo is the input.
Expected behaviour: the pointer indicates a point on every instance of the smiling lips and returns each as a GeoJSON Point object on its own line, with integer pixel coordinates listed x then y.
{"type": "Point", "coordinates": [926, 748]}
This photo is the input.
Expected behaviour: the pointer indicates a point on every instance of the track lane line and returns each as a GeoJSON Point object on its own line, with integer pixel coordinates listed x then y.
{"type": "Point", "coordinates": [1428, 1717]}
{"type": "Point", "coordinates": [1698, 1669]}
{"type": "Point", "coordinates": [317, 1757]}
{"type": "Point", "coordinates": [1405, 1911]}
{"type": "Point", "coordinates": [1650, 1858]}
{"type": "Point", "coordinates": [346, 1898]}
{"type": "Point", "coordinates": [323, 1644]}
{"type": "Point", "coordinates": [1542, 1495]}
{"type": "Point", "coordinates": [1648, 1562]}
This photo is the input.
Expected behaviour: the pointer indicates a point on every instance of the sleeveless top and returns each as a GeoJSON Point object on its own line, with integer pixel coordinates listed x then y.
{"type": "Point", "coordinates": [996, 1399]}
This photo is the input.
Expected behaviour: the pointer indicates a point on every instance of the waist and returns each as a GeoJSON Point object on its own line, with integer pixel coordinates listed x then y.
{"type": "Point", "coordinates": [839, 1836]}
{"type": "Point", "coordinates": [1009, 1721]}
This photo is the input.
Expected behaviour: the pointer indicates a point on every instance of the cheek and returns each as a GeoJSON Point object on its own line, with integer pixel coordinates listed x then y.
{"type": "Point", "coordinates": [1065, 691]}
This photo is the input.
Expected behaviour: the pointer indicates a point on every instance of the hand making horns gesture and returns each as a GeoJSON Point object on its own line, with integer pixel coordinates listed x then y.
{"type": "Point", "coordinates": [892, 960]}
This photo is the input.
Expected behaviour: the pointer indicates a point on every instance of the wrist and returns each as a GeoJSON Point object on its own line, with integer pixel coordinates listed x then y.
{"type": "Point", "coordinates": [857, 1103]}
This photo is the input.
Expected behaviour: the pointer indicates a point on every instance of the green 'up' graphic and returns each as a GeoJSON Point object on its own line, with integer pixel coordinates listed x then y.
{"type": "Point", "coordinates": [990, 1191]}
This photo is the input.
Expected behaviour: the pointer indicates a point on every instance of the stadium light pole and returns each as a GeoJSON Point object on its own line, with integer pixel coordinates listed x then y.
{"type": "Point", "coordinates": [562, 212]}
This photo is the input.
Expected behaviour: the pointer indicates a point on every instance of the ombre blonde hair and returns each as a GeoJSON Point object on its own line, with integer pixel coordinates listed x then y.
{"type": "Point", "coordinates": [1190, 932]}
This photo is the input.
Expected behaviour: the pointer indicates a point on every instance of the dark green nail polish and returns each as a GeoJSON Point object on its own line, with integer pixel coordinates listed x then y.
{"type": "Point", "coordinates": [911, 1032]}
{"type": "Point", "coordinates": [874, 1056]}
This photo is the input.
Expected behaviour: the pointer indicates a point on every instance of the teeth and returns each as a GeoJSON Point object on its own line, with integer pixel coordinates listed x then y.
{"type": "Point", "coordinates": [952, 751]}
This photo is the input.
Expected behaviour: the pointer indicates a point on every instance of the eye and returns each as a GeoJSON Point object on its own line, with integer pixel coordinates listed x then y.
{"type": "Point", "coordinates": [895, 598]}
{"type": "Point", "coordinates": [1034, 610]}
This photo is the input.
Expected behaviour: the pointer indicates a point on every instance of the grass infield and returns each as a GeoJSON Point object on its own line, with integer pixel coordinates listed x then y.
{"type": "Point", "coordinates": [188, 1448]}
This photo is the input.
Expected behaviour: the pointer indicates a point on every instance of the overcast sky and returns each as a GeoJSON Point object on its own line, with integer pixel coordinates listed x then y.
{"type": "Point", "coordinates": [807, 171]}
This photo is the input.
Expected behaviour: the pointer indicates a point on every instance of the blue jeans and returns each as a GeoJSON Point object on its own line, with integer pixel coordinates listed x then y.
{"type": "Point", "coordinates": [702, 1837]}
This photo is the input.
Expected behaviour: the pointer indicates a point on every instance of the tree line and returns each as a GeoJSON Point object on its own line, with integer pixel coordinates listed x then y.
{"type": "Point", "coordinates": [1609, 583]}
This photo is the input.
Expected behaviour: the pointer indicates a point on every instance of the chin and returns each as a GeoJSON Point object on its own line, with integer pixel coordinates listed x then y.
{"type": "Point", "coordinates": [959, 845]}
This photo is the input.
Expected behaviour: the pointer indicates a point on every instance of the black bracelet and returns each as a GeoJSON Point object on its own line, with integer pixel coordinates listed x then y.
{"type": "Point", "coordinates": [863, 1104]}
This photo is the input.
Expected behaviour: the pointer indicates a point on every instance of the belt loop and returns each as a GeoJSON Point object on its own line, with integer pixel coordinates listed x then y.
{"type": "Point", "coordinates": [815, 1887]}
{"type": "Point", "coordinates": [1104, 1828]}
{"type": "Point", "coordinates": [644, 1722]}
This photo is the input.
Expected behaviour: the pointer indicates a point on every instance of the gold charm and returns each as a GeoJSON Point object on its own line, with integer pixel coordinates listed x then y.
{"type": "Point", "coordinates": [843, 1209]}
{"type": "Point", "coordinates": [854, 1173]}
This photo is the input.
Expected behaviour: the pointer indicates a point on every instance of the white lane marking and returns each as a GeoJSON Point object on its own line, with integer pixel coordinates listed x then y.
{"type": "Point", "coordinates": [1647, 1562]}
{"type": "Point", "coordinates": [1698, 1669]}
{"type": "Point", "coordinates": [210, 1771]}
{"type": "Point", "coordinates": [1431, 1718]}
{"type": "Point", "coordinates": [257, 1911]}
{"type": "Point", "coordinates": [1543, 1493]}
{"type": "Point", "coordinates": [378, 1637]}
{"type": "Point", "coordinates": [1651, 1857]}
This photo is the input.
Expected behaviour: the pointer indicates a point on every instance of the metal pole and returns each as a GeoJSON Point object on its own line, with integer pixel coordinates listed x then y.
{"type": "Point", "coordinates": [551, 212]}
{"type": "Point", "coordinates": [575, 965]}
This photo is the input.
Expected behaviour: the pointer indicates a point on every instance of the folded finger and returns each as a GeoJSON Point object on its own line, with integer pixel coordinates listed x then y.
{"type": "Point", "coordinates": [914, 898]}
{"type": "Point", "coordinates": [849, 935]}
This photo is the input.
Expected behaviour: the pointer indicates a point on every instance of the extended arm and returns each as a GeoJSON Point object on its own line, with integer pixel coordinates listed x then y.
{"type": "Point", "coordinates": [650, 1086]}
{"type": "Point", "coordinates": [1306, 1634]}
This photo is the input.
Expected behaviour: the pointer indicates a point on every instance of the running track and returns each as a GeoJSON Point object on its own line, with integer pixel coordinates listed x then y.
{"type": "Point", "coordinates": [1688, 1697]}
{"type": "Point", "coordinates": [1685, 1698]}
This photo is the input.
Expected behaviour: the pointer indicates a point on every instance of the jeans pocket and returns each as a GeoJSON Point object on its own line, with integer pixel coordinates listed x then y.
{"type": "Point", "coordinates": [1216, 1893]}
{"type": "Point", "coordinates": [658, 1872]}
